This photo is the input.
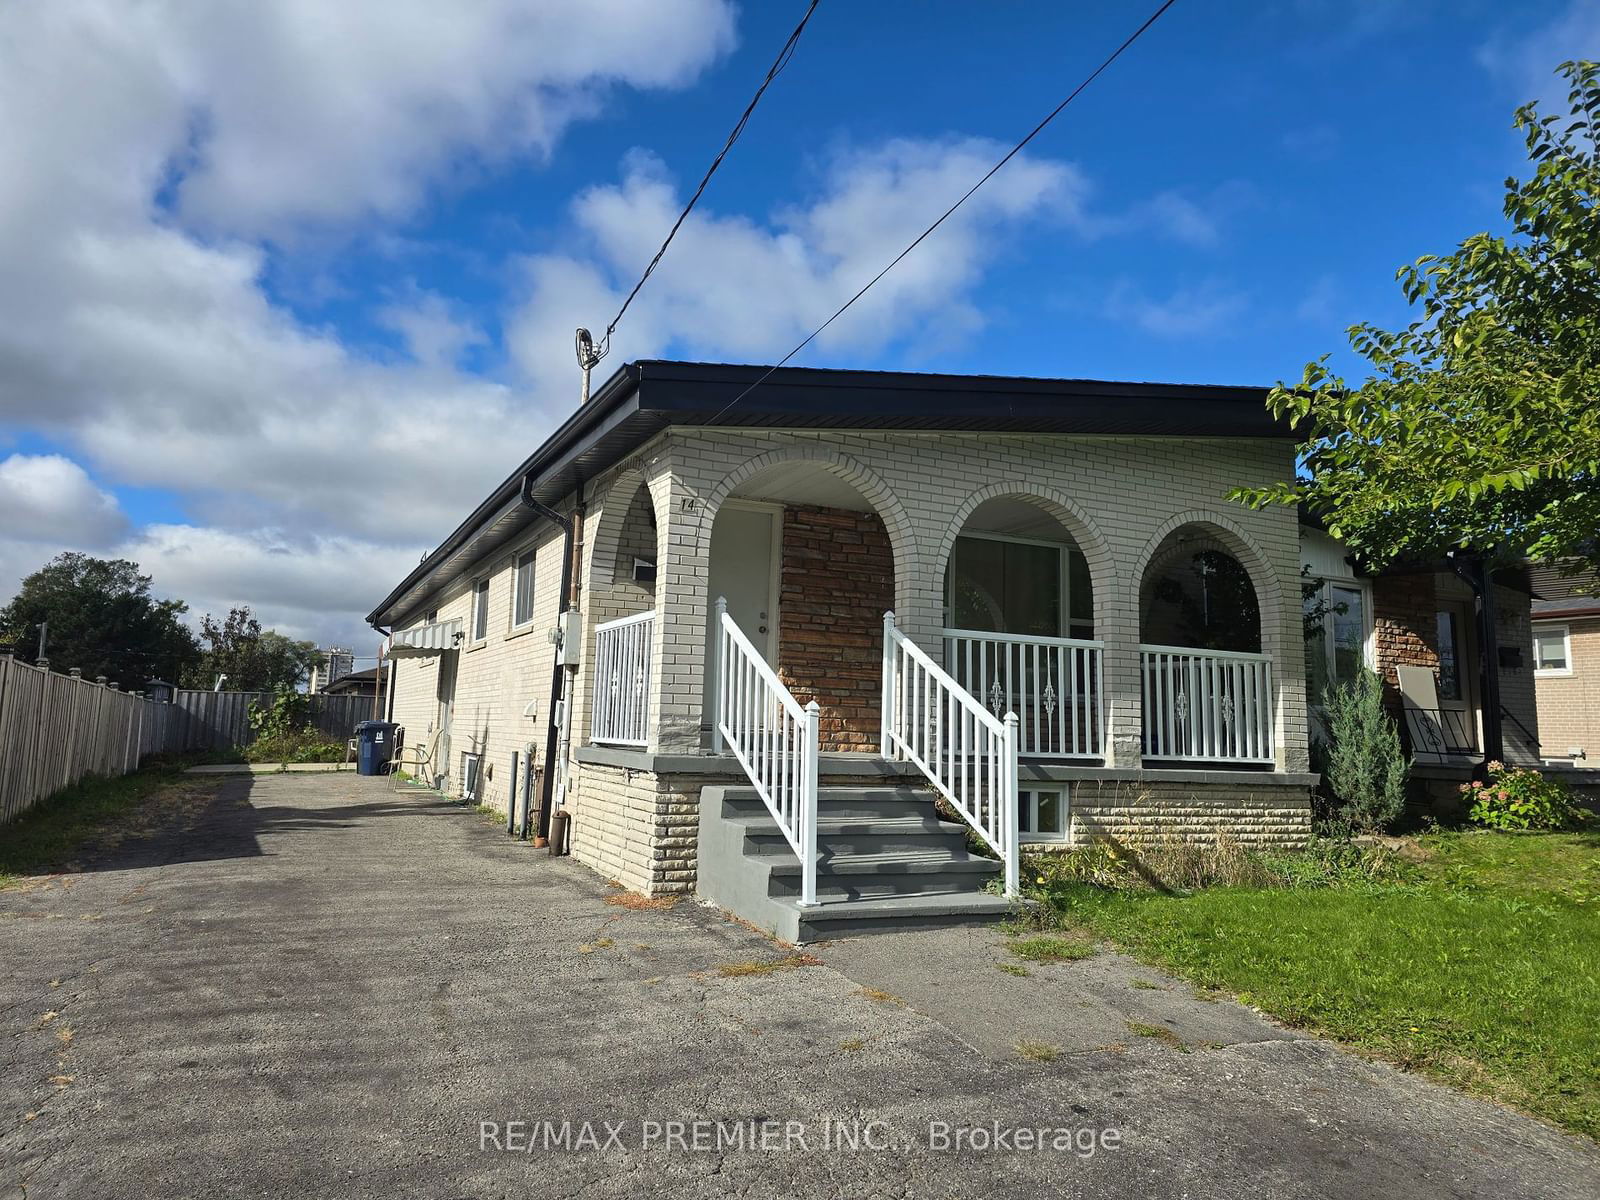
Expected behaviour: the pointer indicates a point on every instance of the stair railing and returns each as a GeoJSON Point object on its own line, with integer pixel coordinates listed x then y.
{"type": "Point", "coordinates": [966, 752]}
{"type": "Point", "coordinates": [773, 737]}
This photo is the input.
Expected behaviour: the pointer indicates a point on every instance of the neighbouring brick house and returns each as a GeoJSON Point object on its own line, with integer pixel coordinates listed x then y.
{"type": "Point", "coordinates": [1088, 639]}
{"type": "Point", "coordinates": [1425, 623]}
{"type": "Point", "coordinates": [1566, 661]}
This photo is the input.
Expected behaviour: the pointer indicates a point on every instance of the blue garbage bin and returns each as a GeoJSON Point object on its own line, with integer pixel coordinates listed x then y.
{"type": "Point", "coordinates": [374, 745]}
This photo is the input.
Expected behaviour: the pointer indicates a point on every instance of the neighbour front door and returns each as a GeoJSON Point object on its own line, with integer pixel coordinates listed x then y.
{"type": "Point", "coordinates": [743, 570]}
{"type": "Point", "coordinates": [446, 696]}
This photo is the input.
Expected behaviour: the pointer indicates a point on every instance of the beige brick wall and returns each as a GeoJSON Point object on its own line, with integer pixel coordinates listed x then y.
{"type": "Point", "coordinates": [495, 678]}
{"type": "Point", "coordinates": [925, 485]}
{"type": "Point", "coordinates": [1569, 705]}
{"type": "Point", "coordinates": [1262, 815]}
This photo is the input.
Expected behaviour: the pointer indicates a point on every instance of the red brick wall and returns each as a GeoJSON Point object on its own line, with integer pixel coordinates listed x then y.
{"type": "Point", "coordinates": [1404, 609]}
{"type": "Point", "coordinates": [837, 581]}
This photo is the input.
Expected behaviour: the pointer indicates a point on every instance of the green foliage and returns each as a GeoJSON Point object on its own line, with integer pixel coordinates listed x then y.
{"type": "Point", "coordinates": [284, 733]}
{"type": "Point", "coordinates": [1366, 769]}
{"type": "Point", "coordinates": [1479, 425]}
{"type": "Point", "coordinates": [1518, 798]}
{"type": "Point", "coordinates": [102, 619]}
{"type": "Point", "coordinates": [252, 659]}
{"type": "Point", "coordinates": [1474, 964]}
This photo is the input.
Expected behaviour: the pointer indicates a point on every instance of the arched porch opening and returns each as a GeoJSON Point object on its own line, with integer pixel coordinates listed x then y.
{"type": "Point", "coordinates": [807, 565]}
{"type": "Point", "coordinates": [622, 604]}
{"type": "Point", "coordinates": [1207, 688]}
{"type": "Point", "coordinates": [1019, 628]}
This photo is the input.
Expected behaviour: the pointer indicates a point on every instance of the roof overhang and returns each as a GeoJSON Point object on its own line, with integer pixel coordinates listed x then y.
{"type": "Point", "coordinates": [643, 398]}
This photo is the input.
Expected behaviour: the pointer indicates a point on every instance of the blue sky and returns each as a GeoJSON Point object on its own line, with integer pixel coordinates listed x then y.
{"type": "Point", "coordinates": [291, 292]}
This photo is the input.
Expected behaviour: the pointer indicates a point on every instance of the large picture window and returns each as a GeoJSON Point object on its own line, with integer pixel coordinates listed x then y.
{"type": "Point", "coordinates": [1007, 585]}
{"type": "Point", "coordinates": [1339, 630]}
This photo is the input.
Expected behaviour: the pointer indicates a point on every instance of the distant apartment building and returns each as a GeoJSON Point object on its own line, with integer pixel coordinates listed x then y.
{"type": "Point", "coordinates": [333, 663]}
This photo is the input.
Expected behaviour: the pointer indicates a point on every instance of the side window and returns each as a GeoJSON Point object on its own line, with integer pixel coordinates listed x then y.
{"type": "Point", "coordinates": [522, 590]}
{"type": "Point", "coordinates": [480, 610]}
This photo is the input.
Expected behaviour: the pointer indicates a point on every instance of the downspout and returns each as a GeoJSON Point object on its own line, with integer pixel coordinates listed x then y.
{"type": "Point", "coordinates": [558, 673]}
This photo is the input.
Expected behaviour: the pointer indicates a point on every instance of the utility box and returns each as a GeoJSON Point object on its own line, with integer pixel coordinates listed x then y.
{"type": "Point", "coordinates": [568, 637]}
{"type": "Point", "coordinates": [374, 746]}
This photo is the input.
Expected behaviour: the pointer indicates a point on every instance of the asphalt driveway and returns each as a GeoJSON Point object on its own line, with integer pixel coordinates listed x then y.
{"type": "Point", "coordinates": [303, 985]}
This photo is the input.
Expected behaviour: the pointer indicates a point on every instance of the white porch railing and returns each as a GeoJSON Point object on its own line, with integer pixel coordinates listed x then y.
{"type": "Point", "coordinates": [966, 752]}
{"type": "Point", "coordinates": [1206, 705]}
{"type": "Point", "coordinates": [1054, 685]}
{"type": "Point", "coordinates": [622, 680]}
{"type": "Point", "coordinates": [774, 739]}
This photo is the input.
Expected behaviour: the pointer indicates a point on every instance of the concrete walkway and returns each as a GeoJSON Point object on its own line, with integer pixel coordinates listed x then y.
{"type": "Point", "coordinates": [305, 985]}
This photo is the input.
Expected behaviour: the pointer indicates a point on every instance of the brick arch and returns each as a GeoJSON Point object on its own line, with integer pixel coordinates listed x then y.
{"type": "Point", "coordinates": [896, 520]}
{"type": "Point", "coordinates": [1243, 547]}
{"type": "Point", "coordinates": [1064, 509]}
{"type": "Point", "coordinates": [607, 536]}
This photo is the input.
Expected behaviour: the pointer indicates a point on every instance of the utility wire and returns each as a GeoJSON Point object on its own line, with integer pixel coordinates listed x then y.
{"type": "Point", "coordinates": [1010, 154]}
{"type": "Point", "coordinates": [773, 71]}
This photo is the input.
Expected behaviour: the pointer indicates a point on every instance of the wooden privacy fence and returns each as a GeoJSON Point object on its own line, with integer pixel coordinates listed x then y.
{"type": "Point", "coordinates": [55, 729]}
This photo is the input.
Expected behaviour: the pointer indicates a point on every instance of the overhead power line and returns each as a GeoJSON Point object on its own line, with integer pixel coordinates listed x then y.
{"type": "Point", "coordinates": [917, 241]}
{"type": "Point", "coordinates": [778, 64]}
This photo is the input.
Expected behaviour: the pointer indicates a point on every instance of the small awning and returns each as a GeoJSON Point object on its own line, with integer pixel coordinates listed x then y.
{"type": "Point", "coordinates": [425, 641]}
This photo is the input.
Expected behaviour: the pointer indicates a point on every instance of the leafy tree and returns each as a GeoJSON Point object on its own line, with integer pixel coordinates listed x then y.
{"type": "Point", "coordinates": [1480, 424]}
{"type": "Point", "coordinates": [253, 659]}
{"type": "Point", "coordinates": [102, 619]}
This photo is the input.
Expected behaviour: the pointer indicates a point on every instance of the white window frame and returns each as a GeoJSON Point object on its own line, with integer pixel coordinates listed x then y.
{"type": "Point", "coordinates": [1369, 622]}
{"type": "Point", "coordinates": [1547, 627]}
{"type": "Point", "coordinates": [531, 554]}
{"type": "Point", "coordinates": [481, 588]}
{"type": "Point", "coordinates": [1028, 809]}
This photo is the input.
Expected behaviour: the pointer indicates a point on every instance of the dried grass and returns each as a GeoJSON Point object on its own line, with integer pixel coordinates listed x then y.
{"type": "Point", "coordinates": [635, 902]}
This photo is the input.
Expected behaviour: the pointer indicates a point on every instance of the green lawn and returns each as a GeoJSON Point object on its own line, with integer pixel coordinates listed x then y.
{"type": "Point", "coordinates": [47, 836]}
{"type": "Point", "coordinates": [1479, 964]}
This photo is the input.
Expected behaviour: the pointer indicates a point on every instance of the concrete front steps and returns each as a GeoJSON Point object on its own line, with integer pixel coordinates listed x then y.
{"type": "Point", "coordinates": [886, 861]}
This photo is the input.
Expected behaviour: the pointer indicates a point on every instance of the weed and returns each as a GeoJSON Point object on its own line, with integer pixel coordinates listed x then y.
{"type": "Point", "coordinates": [739, 970]}
{"type": "Point", "coordinates": [1049, 947]}
{"type": "Point", "coordinates": [878, 996]}
{"type": "Point", "coordinates": [1038, 1051]}
{"type": "Point", "coordinates": [1158, 1033]}
{"type": "Point", "coordinates": [1144, 985]}
{"type": "Point", "coordinates": [853, 1043]}
{"type": "Point", "coordinates": [639, 903]}
{"type": "Point", "coordinates": [1014, 969]}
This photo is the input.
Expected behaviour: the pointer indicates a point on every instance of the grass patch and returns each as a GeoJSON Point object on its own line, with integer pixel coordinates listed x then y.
{"type": "Point", "coordinates": [1014, 969]}
{"type": "Point", "coordinates": [1473, 958]}
{"type": "Point", "coordinates": [788, 962]}
{"type": "Point", "coordinates": [878, 996]}
{"type": "Point", "coordinates": [1051, 947]}
{"type": "Point", "coordinates": [1157, 1033]}
{"type": "Point", "coordinates": [47, 837]}
{"type": "Point", "coordinates": [1039, 1051]}
{"type": "Point", "coordinates": [637, 903]}
{"type": "Point", "coordinates": [1144, 985]}
{"type": "Point", "coordinates": [853, 1044]}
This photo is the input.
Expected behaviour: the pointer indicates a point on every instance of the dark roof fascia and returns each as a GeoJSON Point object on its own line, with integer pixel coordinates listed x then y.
{"type": "Point", "coordinates": [642, 398]}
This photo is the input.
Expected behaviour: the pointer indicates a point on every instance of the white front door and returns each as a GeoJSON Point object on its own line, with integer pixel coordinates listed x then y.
{"type": "Point", "coordinates": [744, 570]}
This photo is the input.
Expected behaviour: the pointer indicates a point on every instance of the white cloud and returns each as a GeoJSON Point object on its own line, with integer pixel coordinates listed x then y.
{"type": "Point", "coordinates": [739, 288]}
{"type": "Point", "coordinates": [1186, 312]}
{"type": "Point", "coordinates": [1525, 59]}
{"type": "Point", "coordinates": [153, 154]}
{"type": "Point", "coordinates": [48, 498]}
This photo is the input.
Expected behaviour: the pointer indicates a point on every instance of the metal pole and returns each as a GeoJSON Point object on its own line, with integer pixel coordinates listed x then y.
{"type": "Point", "coordinates": [716, 674]}
{"type": "Point", "coordinates": [44, 629]}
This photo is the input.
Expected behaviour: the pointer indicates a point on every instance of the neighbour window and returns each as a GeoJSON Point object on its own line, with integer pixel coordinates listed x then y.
{"type": "Point", "coordinates": [1042, 815]}
{"type": "Point", "coordinates": [522, 605]}
{"type": "Point", "coordinates": [1002, 585]}
{"type": "Point", "coordinates": [480, 610]}
{"type": "Point", "coordinates": [1552, 650]}
{"type": "Point", "coordinates": [1338, 623]}
{"type": "Point", "coordinates": [1449, 634]}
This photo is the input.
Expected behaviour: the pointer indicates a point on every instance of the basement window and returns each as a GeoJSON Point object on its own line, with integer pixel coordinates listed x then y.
{"type": "Point", "coordinates": [1042, 814]}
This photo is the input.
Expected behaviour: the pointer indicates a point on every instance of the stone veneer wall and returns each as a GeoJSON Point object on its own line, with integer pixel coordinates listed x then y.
{"type": "Point", "coordinates": [837, 581]}
{"type": "Point", "coordinates": [636, 827]}
{"type": "Point", "coordinates": [1260, 815]}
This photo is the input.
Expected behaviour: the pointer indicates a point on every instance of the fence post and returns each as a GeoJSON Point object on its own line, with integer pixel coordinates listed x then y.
{"type": "Point", "coordinates": [808, 807]}
{"type": "Point", "coordinates": [1012, 840]}
{"type": "Point", "coordinates": [36, 775]}
{"type": "Point", "coordinates": [887, 689]}
{"type": "Point", "coordinates": [716, 674]}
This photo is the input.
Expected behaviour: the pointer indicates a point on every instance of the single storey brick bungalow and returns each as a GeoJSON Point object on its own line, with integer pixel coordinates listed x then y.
{"type": "Point", "coordinates": [801, 646]}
